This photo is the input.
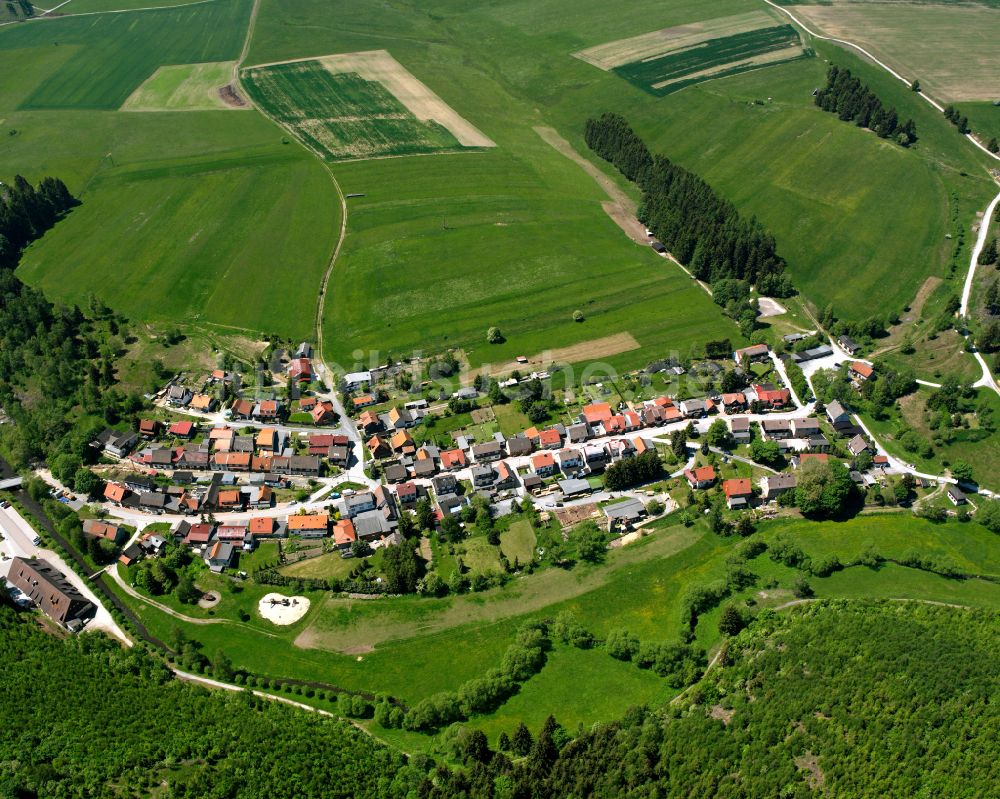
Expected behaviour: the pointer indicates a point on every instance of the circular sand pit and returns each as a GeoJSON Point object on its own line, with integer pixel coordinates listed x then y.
{"type": "Point", "coordinates": [209, 599]}
{"type": "Point", "coordinates": [283, 610]}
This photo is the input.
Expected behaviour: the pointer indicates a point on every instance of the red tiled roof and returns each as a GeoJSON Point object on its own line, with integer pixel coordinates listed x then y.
{"type": "Point", "coordinates": [262, 525]}
{"type": "Point", "coordinates": [451, 458]}
{"type": "Point", "coordinates": [114, 492]}
{"type": "Point", "coordinates": [344, 533]}
{"type": "Point", "coordinates": [181, 428]}
{"type": "Point", "coordinates": [597, 412]}
{"type": "Point", "coordinates": [737, 487]}
{"type": "Point", "coordinates": [549, 437]}
{"type": "Point", "coordinates": [318, 521]}
{"type": "Point", "coordinates": [862, 369]}
{"type": "Point", "coordinates": [542, 460]}
{"type": "Point", "coordinates": [701, 474]}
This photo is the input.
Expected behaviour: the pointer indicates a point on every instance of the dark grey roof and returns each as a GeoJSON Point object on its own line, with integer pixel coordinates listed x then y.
{"type": "Point", "coordinates": [627, 509]}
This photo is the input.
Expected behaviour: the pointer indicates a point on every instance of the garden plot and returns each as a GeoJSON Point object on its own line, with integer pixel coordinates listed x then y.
{"type": "Point", "coordinates": [665, 61]}
{"type": "Point", "coordinates": [359, 105]}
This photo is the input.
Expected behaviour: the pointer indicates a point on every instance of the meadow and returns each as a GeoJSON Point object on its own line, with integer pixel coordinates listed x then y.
{"type": "Point", "coordinates": [715, 58]}
{"type": "Point", "coordinates": [946, 45]}
{"type": "Point", "coordinates": [185, 87]}
{"type": "Point", "coordinates": [341, 116]}
{"type": "Point", "coordinates": [103, 58]}
{"type": "Point", "coordinates": [816, 195]}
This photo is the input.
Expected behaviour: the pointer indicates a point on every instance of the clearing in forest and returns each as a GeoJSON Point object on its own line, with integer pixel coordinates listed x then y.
{"type": "Point", "coordinates": [184, 87]}
{"type": "Point", "coordinates": [667, 60]}
{"type": "Point", "coordinates": [359, 105]}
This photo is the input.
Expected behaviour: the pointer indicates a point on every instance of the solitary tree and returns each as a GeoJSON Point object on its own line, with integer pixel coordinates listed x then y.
{"type": "Point", "coordinates": [578, 316]}
{"type": "Point", "coordinates": [494, 336]}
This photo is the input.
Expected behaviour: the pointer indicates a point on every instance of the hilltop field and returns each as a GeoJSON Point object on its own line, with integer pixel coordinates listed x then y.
{"type": "Point", "coordinates": [185, 208]}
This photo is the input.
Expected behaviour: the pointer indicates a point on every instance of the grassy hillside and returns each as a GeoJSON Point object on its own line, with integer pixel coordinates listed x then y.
{"type": "Point", "coordinates": [186, 218]}
{"type": "Point", "coordinates": [406, 646]}
{"type": "Point", "coordinates": [112, 54]}
{"type": "Point", "coordinates": [828, 191]}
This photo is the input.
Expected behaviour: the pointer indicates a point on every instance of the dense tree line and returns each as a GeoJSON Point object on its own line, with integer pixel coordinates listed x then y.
{"type": "Point", "coordinates": [26, 212]}
{"type": "Point", "coordinates": [852, 101]}
{"type": "Point", "coordinates": [701, 229]}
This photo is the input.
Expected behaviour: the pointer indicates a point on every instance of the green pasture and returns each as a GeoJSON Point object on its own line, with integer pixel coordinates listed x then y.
{"type": "Point", "coordinates": [342, 116]}
{"type": "Point", "coordinates": [186, 87]}
{"type": "Point", "coordinates": [110, 55]}
{"type": "Point", "coordinates": [984, 119]}
{"type": "Point", "coordinates": [95, 6]}
{"type": "Point", "coordinates": [226, 232]}
{"type": "Point", "coordinates": [715, 58]}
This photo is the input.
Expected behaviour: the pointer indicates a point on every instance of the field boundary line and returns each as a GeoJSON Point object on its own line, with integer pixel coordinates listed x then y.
{"type": "Point", "coordinates": [47, 14]}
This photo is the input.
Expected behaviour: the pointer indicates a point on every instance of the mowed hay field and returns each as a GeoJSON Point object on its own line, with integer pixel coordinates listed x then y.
{"type": "Point", "coordinates": [110, 55]}
{"type": "Point", "coordinates": [665, 61]}
{"type": "Point", "coordinates": [828, 191]}
{"type": "Point", "coordinates": [951, 47]}
{"type": "Point", "coordinates": [183, 87]}
{"type": "Point", "coordinates": [342, 116]}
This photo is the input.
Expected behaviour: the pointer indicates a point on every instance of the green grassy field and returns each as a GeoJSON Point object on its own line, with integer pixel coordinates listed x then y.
{"type": "Point", "coordinates": [187, 87]}
{"type": "Point", "coordinates": [110, 55]}
{"type": "Point", "coordinates": [179, 239]}
{"type": "Point", "coordinates": [717, 58]}
{"type": "Point", "coordinates": [342, 116]}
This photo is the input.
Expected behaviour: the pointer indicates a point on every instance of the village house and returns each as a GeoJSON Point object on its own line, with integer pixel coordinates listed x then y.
{"type": "Point", "coordinates": [596, 413]}
{"type": "Point", "coordinates": [578, 433]}
{"type": "Point", "coordinates": [369, 422]}
{"type": "Point", "coordinates": [300, 370]}
{"type": "Point", "coordinates": [444, 484]}
{"type": "Point", "coordinates": [264, 527]}
{"type": "Point", "coordinates": [219, 556]}
{"type": "Point", "coordinates": [267, 410]}
{"type": "Point", "coordinates": [804, 428]}
{"type": "Point", "coordinates": [395, 473]}
{"type": "Point", "coordinates": [314, 525]}
{"type": "Point", "coordinates": [776, 429]}
{"type": "Point", "coordinates": [739, 426]}
{"type": "Point", "coordinates": [322, 413]}
{"type": "Point", "coordinates": [506, 478]}
{"type": "Point", "coordinates": [837, 415]}
{"type": "Point", "coordinates": [770, 397]}
{"type": "Point", "coordinates": [696, 409]}
{"type": "Point", "coordinates": [364, 401]}
{"type": "Point", "coordinates": [358, 503]}
{"type": "Point", "coordinates": [735, 402]}
{"type": "Point", "coordinates": [149, 428]}
{"type": "Point", "coordinates": [487, 452]}
{"type": "Point", "coordinates": [182, 430]}
{"type": "Point", "coordinates": [402, 442]}
{"type": "Point", "coordinates": [229, 500]}
{"type": "Point", "coordinates": [482, 475]}
{"type": "Point", "coordinates": [49, 589]}
{"type": "Point", "coordinates": [118, 444]}
{"type": "Point", "coordinates": [859, 372]}
{"type": "Point", "coordinates": [233, 532]}
{"type": "Point", "coordinates": [242, 409]}
{"type": "Point", "coordinates": [848, 344]}
{"type": "Point", "coordinates": [519, 446]}
{"type": "Point", "coordinates": [956, 495]}
{"type": "Point", "coordinates": [378, 447]}
{"type": "Point", "coordinates": [812, 354]}
{"type": "Point", "coordinates": [97, 528]}
{"type": "Point", "coordinates": [543, 464]}
{"type": "Point", "coordinates": [355, 380]}
{"type": "Point", "coordinates": [624, 512]}
{"type": "Point", "coordinates": [642, 445]}
{"type": "Point", "coordinates": [752, 354]}
{"type": "Point", "coordinates": [343, 534]}
{"type": "Point", "coordinates": [452, 460]}
{"type": "Point", "coordinates": [570, 460]}
{"type": "Point", "coordinates": [773, 485]}
{"type": "Point", "coordinates": [424, 467]}
{"type": "Point", "coordinates": [203, 402]}
{"type": "Point", "coordinates": [400, 418]}
{"type": "Point", "coordinates": [700, 477]}
{"type": "Point", "coordinates": [407, 494]}
{"type": "Point", "coordinates": [857, 445]}
{"type": "Point", "coordinates": [114, 492]}
{"type": "Point", "coordinates": [738, 491]}
{"type": "Point", "coordinates": [179, 396]}
{"type": "Point", "coordinates": [304, 465]}
{"type": "Point", "coordinates": [549, 439]}
{"type": "Point", "coordinates": [195, 535]}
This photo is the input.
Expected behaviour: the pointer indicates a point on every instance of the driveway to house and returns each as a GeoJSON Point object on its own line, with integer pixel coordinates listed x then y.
{"type": "Point", "coordinates": [17, 538]}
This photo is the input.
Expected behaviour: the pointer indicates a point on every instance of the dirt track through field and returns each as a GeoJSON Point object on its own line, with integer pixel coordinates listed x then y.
{"type": "Point", "coordinates": [577, 353]}
{"type": "Point", "coordinates": [620, 207]}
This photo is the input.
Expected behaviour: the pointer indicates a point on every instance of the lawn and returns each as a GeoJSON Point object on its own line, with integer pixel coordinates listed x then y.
{"type": "Point", "coordinates": [110, 55]}
{"type": "Point", "coordinates": [518, 541]}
